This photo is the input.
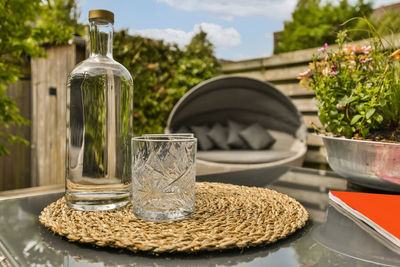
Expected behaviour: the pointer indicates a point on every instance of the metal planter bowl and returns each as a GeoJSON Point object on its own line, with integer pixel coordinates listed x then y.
{"type": "Point", "coordinates": [367, 163]}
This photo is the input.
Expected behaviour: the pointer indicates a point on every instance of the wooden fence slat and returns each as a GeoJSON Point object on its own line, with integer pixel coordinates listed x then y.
{"type": "Point", "coordinates": [305, 105]}
{"type": "Point", "coordinates": [273, 75]}
{"type": "Point", "coordinates": [237, 66]}
{"type": "Point", "coordinates": [15, 169]}
{"type": "Point", "coordinates": [308, 119]}
{"type": "Point", "coordinates": [313, 140]}
{"type": "Point", "coordinates": [50, 112]}
{"type": "Point", "coordinates": [34, 171]}
{"type": "Point", "coordinates": [295, 57]}
{"type": "Point", "coordinates": [294, 89]}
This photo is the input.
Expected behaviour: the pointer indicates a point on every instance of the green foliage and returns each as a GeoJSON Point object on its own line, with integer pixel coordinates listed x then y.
{"type": "Point", "coordinates": [162, 73]}
{"type": "Point", "coordinates": [196, 64]}
{"type": "Point", "coordinates": [58, 21]}
{"type": "Point", "coordinates": [357, 89]}
{"type": "Point", "coordinates": [24, 26]}
{"type": "Point", "coordinates": [314, 24]}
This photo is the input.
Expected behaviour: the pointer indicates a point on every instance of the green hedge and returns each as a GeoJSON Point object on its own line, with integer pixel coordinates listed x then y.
{"type": "Point", "coordinates": [162, 73]}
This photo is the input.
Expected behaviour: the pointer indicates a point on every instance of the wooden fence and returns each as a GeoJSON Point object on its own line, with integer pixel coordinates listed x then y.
{"type": "Point", "coordinates": [15, 169]}
{"type": "Point", "coordinates": [41, 98]}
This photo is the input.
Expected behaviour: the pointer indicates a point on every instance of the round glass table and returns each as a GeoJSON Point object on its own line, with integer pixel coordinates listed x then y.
{"type": "Point", "coordinates": [328, 239]}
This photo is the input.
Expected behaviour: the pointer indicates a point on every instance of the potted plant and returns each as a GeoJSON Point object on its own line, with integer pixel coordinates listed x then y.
{"type": "Point", "coordinates": [358, 97]}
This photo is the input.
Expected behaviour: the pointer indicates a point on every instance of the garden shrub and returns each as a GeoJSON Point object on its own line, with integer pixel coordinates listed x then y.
{"type": "Point", "coordinates": [162, 74]}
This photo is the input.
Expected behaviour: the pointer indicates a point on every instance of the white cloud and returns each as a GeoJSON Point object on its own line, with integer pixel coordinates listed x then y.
{"type": "Point", "coordinates": [228, 9]}
{"type": "Point", "coordinates": [169, 35]}
{"type": "Point", "coordinates": [222, 38]}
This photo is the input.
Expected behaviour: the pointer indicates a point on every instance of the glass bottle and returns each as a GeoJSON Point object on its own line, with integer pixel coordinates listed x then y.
{"type": "Point", "coordinates": [99, 124]}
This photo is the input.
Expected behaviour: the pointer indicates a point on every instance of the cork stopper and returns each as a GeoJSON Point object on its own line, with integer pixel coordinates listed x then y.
{"type": "Point", "coordinates": [101, 14]}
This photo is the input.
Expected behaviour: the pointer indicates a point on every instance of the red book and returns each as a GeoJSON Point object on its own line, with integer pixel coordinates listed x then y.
{"type": "Point", "coordinates": [379, 211]}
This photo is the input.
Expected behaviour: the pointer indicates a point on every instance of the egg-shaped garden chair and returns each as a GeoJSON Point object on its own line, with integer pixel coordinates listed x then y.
{"type": "Point", "coordinates": [231, 100]}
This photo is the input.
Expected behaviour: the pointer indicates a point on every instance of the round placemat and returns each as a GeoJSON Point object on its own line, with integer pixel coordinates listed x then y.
{"type": "Point", "coordinates": [226, 216]}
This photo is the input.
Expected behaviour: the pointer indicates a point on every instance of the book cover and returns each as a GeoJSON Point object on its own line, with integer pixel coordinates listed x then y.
{"type": "Point", "coordinates": [381, 212]}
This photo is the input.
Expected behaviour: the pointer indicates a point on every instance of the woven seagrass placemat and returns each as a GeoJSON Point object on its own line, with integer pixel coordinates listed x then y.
{"type": "Point", "coordinates": [226, 216]}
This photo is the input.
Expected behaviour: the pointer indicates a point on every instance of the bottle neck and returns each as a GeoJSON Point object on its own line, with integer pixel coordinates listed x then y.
{"type": "Point", "coordinates": [101, 38]}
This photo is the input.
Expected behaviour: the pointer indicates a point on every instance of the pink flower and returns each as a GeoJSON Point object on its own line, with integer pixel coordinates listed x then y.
{"type": "Point", "coordinates": [324, 48]}
{"type": "Point", "coordinates": [362, 50]}
{"type": "Point", "coordinates": [304, 74]}
{"type": "Point", "coordinates": [366, 49]}
{"type": "Point", "coordinates": [333, 71]}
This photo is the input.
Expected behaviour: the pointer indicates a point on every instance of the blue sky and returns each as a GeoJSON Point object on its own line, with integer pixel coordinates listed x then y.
{"type": "Point", "coordinates": [239, 29]}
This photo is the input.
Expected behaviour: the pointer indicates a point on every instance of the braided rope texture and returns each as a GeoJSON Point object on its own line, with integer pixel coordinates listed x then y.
{"type": "Point", "coordinates": [226, 216]}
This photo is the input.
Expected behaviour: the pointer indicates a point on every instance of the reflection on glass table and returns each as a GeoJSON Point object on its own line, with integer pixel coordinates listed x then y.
{"type": "Point", "coordinates": [328, 239]}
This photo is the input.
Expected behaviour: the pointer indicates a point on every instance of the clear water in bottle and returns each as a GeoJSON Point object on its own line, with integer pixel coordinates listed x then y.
{"type": "Point", "coordinates": [99, 125]}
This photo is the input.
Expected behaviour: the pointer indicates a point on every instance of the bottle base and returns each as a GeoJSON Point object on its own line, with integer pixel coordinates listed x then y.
{"type": "Point", "coordinates": [97, 201]}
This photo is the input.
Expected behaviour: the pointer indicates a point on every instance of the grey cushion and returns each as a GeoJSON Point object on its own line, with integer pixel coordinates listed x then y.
{"type": "Point", "coordinates": [200, 132]}
{"type": "Point", "coordinates": [234, 139]}
{"type": "Point", "coordinates": [284, 141]}
{"type": "Point", "coordinates": [244, 156]}
{"type": "Point", "coordinates": [219, 135]}
{"type": "Point", "coordinates": [257, 137]}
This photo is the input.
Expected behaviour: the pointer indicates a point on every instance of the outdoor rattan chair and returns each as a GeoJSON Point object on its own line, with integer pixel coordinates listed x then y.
{"type": "Point", "coordinates": [246, 101]}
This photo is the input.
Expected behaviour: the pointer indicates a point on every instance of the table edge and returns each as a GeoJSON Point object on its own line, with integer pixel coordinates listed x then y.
{"type": "Point", "coordinates": [32, 191]}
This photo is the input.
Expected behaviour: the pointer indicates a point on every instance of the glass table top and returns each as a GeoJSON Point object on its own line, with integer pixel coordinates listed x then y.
{"type": "Point", "coordinates": [328, 239]}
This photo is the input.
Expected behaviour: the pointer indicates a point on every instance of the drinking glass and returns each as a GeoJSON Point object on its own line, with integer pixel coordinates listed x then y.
{"type": "Point", "coordinates": [163, 176]}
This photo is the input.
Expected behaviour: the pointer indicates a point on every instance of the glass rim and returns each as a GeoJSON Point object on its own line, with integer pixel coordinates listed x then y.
{"type": "Point", "coordinates": [158, 138]}
{"type": "Point", "coordinates": [190, 135]}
